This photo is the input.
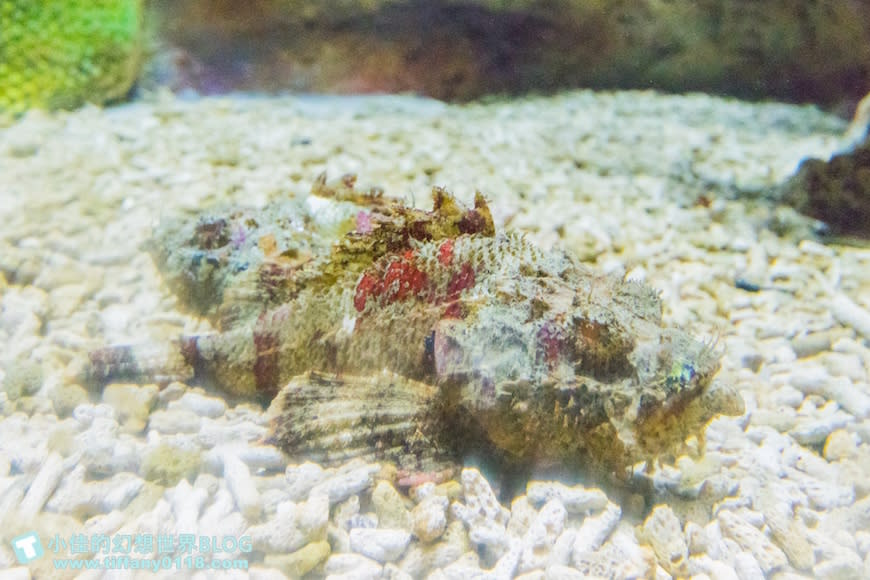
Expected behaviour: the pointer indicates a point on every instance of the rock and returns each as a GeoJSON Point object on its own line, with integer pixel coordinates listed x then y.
{"type": "Point", "coordinates": [7, 406]}
{"type": "Point", "coordinates": [506, 565]}
{"type": "Point", "coordinates": [347, 481]}
{"type": "Point", "coordinates": [485, 517]}
{"type": "Point", "coordinates": [312, 516]}
{"type": "Point", "coordinates": [809, 378]}
{"type": "Point", "coordinates": [302, 478]}
{"type": "Point", "coordinates": [257, 458]}
{"type": "Point", "coordinates": [172, 392]}
{"type": "Point", "coordinates": [782, 420]}
{"type": "Point", "coordinates": [292, 526]}
{"type": "Point", "coordinates": [84, 414]}
{"type": "Point", "coordinates": [846, 365]}
{"type": "Point", "coordinates": [352, 566]}
{"type": "Point", "coordinates": [836, 191]}
{"type": "Point", "coordinates": [452, 490]}
{"type": "Point", "coordinates": [844, 564]}
{"type": "Point", "coordinates": [242, 486]}
{"type": "Point", "coordinates": [34, 406]}
{"type": "Point", "coordinates": [850, 314]}
{"type": "Point", "coordinates": [23, 377]}
{"type": "Point", "coordinates": [702, 565]}
{"type": "Point", "coordinates": [80, 498]}
{"type": "Point", "coordinates": [747, 567]}
{"type": "Point", "coordinates": [201, 405]}
{"type": "Point", "coordinates": [674, 46]}
{"type": "Point", "coordinates": [263, 573]}
{"type": "Point", "coordinates": [522, 516]}
{"type": "Point", "coordinates": [811, 344]}
{"type": "Point", "coordinates": [621, 557]}
{"type": "Point", "coordinates": [563, 548]}
{"type": "Point", "coordinates": [66, 397]}
{"type": "Point", "coordinates": [787, 396]}
{"type": "Point", "coordinates": [102, 452]}
{"type": "Point", "coordinates": [466, 566]}
{"type": "Point", "coordinates": [662, 531]}
{"type": "Point", "coordinates": [132, 404]}
{"type": "Point", "coordinates": [207, 482]}
{"type": "Point", "coordinates": [790, 534]}
{"type": "Point", "coordinates": [167, 464]}
{"type": "Point", "coordinates": [564, 573]}
{"type": "Point", "coordinates": [42, 487]}
{"type": "Point", "coordinates": [171, 422]}
{"type": "Point", "coordinates": [346, 512]}
{"type": "Point", "coordinates": [419, 559]}
{"type": "Point", "coordinates": [849, 396]}
{"type": "Point", "coordinates": [220, 518]}
{"type": "Point", "coordinates": [67, 298]}
{"type": "Point", "coordinates": [392, 572]}
{"type": "Point", "coordinates": [187, 503]}
{"type": "Point", "coordinates": [338, 538]}
{"type": "Point", "coordinates": [577, 499]}
{"type": "Point", "coordinates": [300, 562]}
{"type": "Point", "coordinates": [824, 495]}
{"type": "Point", "coordinates": [383, 545]}
{"type": "Point", "coordinates": [389, 505]}
{"type": "Point", "coordinates": [595, 530]}
{"type": "Point", "coordinates": [751, 539]}
{"type": "Point", "coordinates": [429, 518]}
{"type": "Point", "coordinates": [814, 430]}
{"type": "Point", "coordinates": [270, 498]}
{"type": "Point", "coordinates": [541, 536]}
{"type": "Point", "coordinates": [62, 438]}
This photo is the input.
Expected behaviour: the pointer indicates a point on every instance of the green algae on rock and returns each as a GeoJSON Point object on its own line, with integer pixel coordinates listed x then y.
{"type": "Point", "coordinates": [59, 54]}
{"type": "Point", "coordinates": [167, 465]}
{"type": "Point", "coordinates": [406, 334]}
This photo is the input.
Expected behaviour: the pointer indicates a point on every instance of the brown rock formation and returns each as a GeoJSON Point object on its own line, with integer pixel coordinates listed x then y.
{"type": "Point", "coordinates": [796, 50]}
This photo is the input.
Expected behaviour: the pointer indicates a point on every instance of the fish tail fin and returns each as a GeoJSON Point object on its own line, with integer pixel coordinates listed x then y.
{"type": "Point", "coordinates": [145, 362]}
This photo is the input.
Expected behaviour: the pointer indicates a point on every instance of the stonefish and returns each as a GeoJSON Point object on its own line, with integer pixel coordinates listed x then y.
{"type": "Point", "coordinates": [385, 331]}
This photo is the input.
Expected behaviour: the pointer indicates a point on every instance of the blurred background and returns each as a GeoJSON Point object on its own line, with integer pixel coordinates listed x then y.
{"type": "Point", "coordinates": [793, 50]}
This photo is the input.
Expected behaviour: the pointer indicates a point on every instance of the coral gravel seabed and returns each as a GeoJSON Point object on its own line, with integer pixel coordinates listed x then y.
{"type": "Point", "coordinates": [673, 190]}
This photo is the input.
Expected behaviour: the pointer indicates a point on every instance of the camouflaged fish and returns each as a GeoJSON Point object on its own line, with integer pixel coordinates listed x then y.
{"type": "Point", "coordinates": [397, 333]}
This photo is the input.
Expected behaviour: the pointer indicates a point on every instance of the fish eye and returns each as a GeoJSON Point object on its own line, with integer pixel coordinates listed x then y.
{"type": "Point", "coordinates": [681, 374]}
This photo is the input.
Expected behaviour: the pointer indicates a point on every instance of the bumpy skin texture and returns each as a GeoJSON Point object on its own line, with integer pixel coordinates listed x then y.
{"type": "Point", "coordinates": [417, 333]}
{"type": "Point", "coordinates": [64, 53]}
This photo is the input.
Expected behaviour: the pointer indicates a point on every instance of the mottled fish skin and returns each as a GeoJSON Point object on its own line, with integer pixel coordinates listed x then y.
{"type": "Point", "coordinates": [530, 351]}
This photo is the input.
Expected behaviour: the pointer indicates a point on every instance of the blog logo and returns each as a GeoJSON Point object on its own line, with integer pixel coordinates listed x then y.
{"type": "Point", "coordinates": [27, 547]}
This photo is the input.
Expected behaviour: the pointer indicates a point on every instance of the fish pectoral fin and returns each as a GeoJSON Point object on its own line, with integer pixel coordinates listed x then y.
{"type": "Point", "coordinates": [332, 418]}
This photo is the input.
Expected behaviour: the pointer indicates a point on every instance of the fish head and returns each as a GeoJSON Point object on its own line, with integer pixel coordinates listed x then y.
{"type": "Point", "coordinates": [562, 363]}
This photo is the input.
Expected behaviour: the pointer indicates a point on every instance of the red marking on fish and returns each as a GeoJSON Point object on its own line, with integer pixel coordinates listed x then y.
{"type": "Point", "coordinates": [399, 281]}
{"type": "Point", "coordinates": [551, 341]}
{"type": "Point", "coordinates": [445, 253]}
{"type": "Point", "coordinates": [267, 349]}
{"type": "Point", "coordinates": [459, 282]}
{"type": "Point", "coordinates": [366, 287]}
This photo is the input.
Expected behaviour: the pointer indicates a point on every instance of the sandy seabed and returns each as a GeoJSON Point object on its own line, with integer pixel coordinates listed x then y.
{"type": "Point", "coordinates": [673, 190]}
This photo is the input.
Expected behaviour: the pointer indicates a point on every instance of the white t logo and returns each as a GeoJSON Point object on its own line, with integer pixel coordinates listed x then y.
{"type": "Point", "coordinates": [26, 546]}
